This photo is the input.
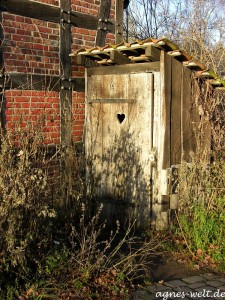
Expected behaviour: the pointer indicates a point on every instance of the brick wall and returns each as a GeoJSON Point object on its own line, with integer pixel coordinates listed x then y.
{"type": "Point", "coordinates": [31, 46]}
{"type": "Point", "coordinates": [34, 109]}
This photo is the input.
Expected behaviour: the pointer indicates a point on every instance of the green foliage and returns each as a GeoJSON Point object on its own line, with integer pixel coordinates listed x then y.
{"type": "Point", "coordinates": [204, 232]}
{"type": "Point", "coordinates": [201, 215]}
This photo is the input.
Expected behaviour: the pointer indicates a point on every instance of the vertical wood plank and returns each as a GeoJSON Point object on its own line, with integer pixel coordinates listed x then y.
{"type": "Point", "coordinates": [187, 134]}
{"type": "Point", "coordinates": [166, 106]}
{"type": "Point", "coordinates": [104, 13]}
{"type": "Point", "coordinates": [176, 112]}
{"type": "Point", "coordinates": [119, 22]}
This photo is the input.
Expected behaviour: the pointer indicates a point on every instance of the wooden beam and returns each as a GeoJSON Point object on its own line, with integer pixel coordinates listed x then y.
{"type": "Point", "coordinates": [49, 13]}
{"type": "Point", "coordinates": [103, 17]}
{"type": "Point", "coordinates": [82, 20]}
{"type": "Point", "coordinates": [65, 39]}
{"type": "Point", "coordinates": [187, 134]}
{"type": "Point", "coordinates": [2, 98]}
{"type": "Point", "coordinates": [125, 69]}
{"type": "Point", "coordinates": [152, 53]}
{"type": "Point", "coordinates": [85, 61]}
{"type": "Point", "coordinates": [65, 73]}
{"type": "Point", "coordinates": [118, 58]}
{"type": "Point", "coordinates": [39, 82]}
{"type": "Point", "coordinates": [119, 21]}
{"type": "Point", "coordinates": [31, 9]}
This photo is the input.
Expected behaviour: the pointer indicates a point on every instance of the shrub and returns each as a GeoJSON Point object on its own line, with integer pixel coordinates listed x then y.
{"type": "Point", "coordinates": [52, 251]}
{"type": "Point", "coordinates": [202, 186]}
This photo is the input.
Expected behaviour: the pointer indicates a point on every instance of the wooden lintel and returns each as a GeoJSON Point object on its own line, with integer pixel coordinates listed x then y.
{"type": "Point", "coordinates": [125, 69]}
{"type": "Point", "coordinates": [118, 58]}
{"type": "Point", "coordinates": [152, 53]}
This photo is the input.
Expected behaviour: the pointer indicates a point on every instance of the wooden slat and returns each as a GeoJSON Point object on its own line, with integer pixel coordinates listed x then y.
{"type": "Point", "coordinates": [104, 13]}
{"type": "Point", "coordinates": [176, 78]}
{"type": "Point", "coordinates": [118, 58]}
{"type": "Point", "coordinates": [166, 70]}
{"type": "Point", "coordinates": [125, 69]}
{"type": "Point", "coordinates": [111, 100]}
{"type": "Point", "coordinates": [187, 134]}
{"type": "Point", "coordinates": [152, 53]}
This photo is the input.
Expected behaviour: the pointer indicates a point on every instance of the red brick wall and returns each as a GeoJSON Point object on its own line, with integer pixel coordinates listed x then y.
{"type": "Point", "coordinates": [32, 46]}
{"type": "Point", "coordinates": [31, 109]}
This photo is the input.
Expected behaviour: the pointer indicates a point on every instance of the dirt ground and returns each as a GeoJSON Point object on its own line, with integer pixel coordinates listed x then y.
{"type": "Point", "coordinates": [168, 269]}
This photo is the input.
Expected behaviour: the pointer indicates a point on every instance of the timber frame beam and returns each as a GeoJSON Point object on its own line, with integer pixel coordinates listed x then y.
{"type": "Point", "coordinates": [39, 82]}
{"type": "Point", "coordinates": [49, 13]}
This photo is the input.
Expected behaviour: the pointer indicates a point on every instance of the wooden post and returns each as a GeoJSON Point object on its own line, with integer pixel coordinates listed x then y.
{"type": "Point", "coordinates": [65, 96]}
{"type": "Point", "coordinates": [119, 21]}
{"type": "Point", "coordinates": [103, 19]}
{"type": "Point", "coordinates": [2, 98]}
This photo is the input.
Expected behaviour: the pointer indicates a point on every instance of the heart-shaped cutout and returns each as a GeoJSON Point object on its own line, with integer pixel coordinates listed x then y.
{"type": "Point", "coordinates": [121, 117]}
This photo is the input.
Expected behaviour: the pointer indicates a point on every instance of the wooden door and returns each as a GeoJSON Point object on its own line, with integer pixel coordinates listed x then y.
{"type": "Point", "coordinates": [119, 140]}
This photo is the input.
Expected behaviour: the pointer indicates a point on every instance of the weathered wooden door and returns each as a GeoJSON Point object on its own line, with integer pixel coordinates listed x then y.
{"type": "Point", "coordinates": [119, 141]}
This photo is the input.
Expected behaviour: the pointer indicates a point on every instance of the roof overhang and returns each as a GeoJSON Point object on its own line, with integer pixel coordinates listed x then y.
{"type": "Point", "coordinates": [142, 52]}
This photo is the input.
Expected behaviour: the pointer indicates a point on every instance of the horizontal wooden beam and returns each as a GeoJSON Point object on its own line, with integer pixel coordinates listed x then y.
{"type": "Point", "coordinates": [83, 60]}
{"type": "Point", "coordinates": [118, 58]}
{"type": "Point", "coordinates": [152, 53]}
{"type": "Point", "coordinates": [125, 69]}
{"type": "Point", "coordinates": [40, 82]}
{"type": "Point", "coordinates": [31, 9]}
{"type": "Point", "coordinates": [49, 13]}
{"type": "Point", "coordinates": [112, 100]}
{"type": "Point", "coordinates": [31, 82]}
